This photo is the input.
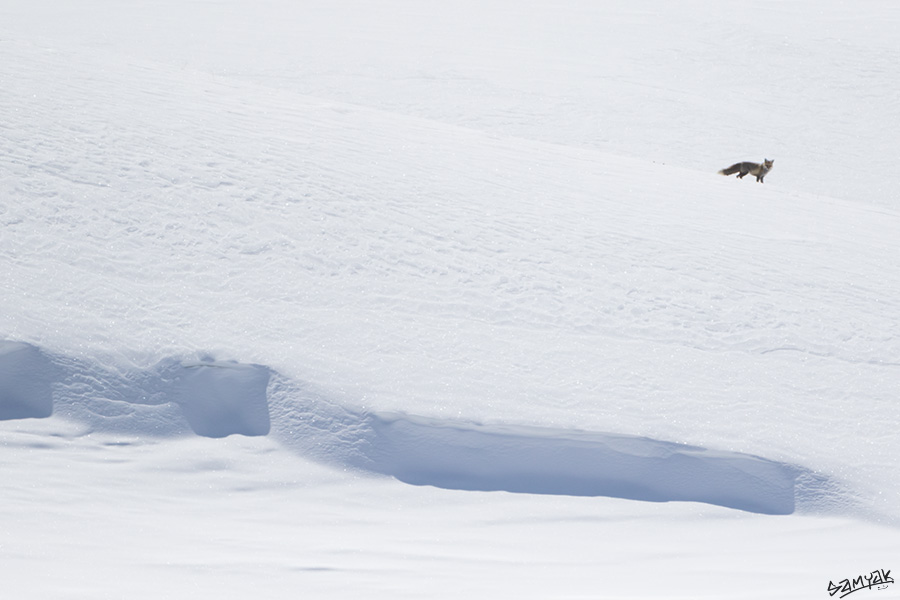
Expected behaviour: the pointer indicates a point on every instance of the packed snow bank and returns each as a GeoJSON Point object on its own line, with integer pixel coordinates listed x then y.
{"type": "Point", "coordinates": [26, 382]}
{"type": "Point", "coordinates": [220, 398]}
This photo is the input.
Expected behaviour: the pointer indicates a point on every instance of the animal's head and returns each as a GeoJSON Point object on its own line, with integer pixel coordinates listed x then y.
{"type": "Point", "coordinates": [768, 163]}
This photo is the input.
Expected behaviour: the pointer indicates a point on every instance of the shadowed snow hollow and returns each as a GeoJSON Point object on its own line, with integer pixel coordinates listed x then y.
{"type": "Point", "coordinates": [547, 461]}
{"type": "Point", "coordinates": [26, 382]}
{"type": "Point", "coordinates": [224, 398]}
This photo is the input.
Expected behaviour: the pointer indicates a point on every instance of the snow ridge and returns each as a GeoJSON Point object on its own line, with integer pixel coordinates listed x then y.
{"type": "Point", "coordinates": [220, 398]}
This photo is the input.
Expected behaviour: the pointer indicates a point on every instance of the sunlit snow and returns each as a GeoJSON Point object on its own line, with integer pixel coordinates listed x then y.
{"type": "Point", "coordinates": [415, 299]}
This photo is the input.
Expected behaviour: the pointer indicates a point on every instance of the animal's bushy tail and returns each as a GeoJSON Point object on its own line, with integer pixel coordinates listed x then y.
{"type": "Point", "coordinates": [731, 170]}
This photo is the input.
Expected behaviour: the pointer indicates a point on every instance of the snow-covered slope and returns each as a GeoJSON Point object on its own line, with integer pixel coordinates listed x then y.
{"type": "Point", "coordinates": [479, 247]}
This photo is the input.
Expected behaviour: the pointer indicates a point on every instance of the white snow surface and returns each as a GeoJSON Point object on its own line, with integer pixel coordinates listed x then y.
{"type": "Point", "coordinates": [417, 299]}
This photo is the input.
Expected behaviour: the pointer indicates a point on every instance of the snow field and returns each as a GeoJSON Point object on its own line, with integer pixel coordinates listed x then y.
{"type": "Point", "coordinates": [576, 294]}
{"type": "Point", "coordinates": [470, 247]}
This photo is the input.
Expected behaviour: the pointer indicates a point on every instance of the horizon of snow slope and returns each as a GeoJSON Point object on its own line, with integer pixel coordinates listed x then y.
{"type": "Point", "coordinates": [398, 258]}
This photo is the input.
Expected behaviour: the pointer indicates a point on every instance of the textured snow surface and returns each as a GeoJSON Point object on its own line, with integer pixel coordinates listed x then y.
{"type": "Point", "coordinates": [217, 399]}
{"type": "Point", "coordinates": [265, 264]}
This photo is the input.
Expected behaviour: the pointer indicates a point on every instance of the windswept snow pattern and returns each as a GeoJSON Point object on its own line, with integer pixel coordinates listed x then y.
{"type": "Point", "coordinates": [406, 299]}
{"type": "Point", "coordinates": [447, 299]}
{"type": "Point", "coordinates": [212, 399]}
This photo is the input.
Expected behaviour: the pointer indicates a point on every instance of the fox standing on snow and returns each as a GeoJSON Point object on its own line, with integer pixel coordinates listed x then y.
{"type": "Point", "coordinates": [760, 170]}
